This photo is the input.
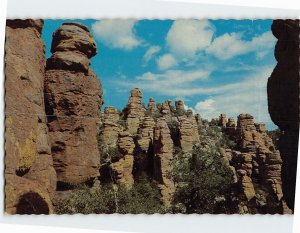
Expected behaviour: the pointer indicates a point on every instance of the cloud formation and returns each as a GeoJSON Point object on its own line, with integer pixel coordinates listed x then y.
{"type": "Point", "coordinates": [150, 53]}
{"type": "Point", "coordinates": [116, 33]}
{"type": "Point", "coordinates": [166, 61]}
{"type": "Point", "coordinates": [186, 37]}
{"type": "Point", "coordinates": [230, 45]}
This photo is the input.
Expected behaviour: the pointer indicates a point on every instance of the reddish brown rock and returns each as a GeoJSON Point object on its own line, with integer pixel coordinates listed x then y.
{"type": "Point", "coordinates": [73, 97]}
{"type": "Point", "coordinates": [123, 168]}
{"type": "Point", "coordinates": [163, 155]}
{"type": "Point", "coordinates": [222, 120]}
{"type": "Point", "coordinates": [110, 127]}
{"type": "Point", "coordinates": [258, 166]}
{"type": "Point", "coordinates": [29, 168]}
{"type": "Point", "coordinates": [186, 134]}
{"type": "Point", "coordinates": [134, 111]}
{"type": "Point", "coordinates": [166, 110]}
{"type": "Point", "coordinates": [283, 100]}
{"type": "Point", "coordinates": [152, 106]}
{"type": "Point", "coordinates": [179, 105]}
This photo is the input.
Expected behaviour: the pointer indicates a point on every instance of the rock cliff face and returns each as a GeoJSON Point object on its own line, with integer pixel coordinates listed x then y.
{"type": "Point", "coordinates": [29, 174]}
{"type": "Point", "coordinates": [283, 100]}
{"type": "Point", "coordinates": [257, 166]}
{"type": "Point", "coordinates": [73, 97]}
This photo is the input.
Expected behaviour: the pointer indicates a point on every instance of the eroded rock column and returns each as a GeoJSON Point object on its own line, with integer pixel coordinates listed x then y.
{"type": "Point", "coordinates": [73, 96]}
{"type": "Point", "coordinates": [163, 155]}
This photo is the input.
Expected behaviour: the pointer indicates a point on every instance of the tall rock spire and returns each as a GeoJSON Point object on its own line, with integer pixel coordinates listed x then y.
{"type": "Point", "coordinates": [73, 96]}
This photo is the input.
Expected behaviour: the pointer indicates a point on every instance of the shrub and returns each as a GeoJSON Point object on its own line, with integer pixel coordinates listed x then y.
{"type": "Point", "coordinates": [201, 180]}
{"type": "Point", "coordinates": [143, 197]}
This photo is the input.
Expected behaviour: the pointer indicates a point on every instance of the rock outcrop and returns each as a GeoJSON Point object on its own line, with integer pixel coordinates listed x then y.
{"type": "Point", "coordinates": [134, 111]}
{"type": "Point", "coordinates": [144, 147]}
{"type": "Point", "coordinates": [110, 127]}
{"type": "Point", "coordinates": [73, 97]}
{"type": "Point", "coordinates": [283, 100]}
{"type": "Point", "coordinates": [30, 178]}
{"type": "Point", "coordinates": [163, 155]}
{"type": "Point", "coordinates": [123, 168]}
{"type": "Point", "coordinates": [258, 168]}
{"type": "Point", "coordinates": [222, 120]}
{"type": "Point", "coordinates": [166, 110]}
{"type": "Point", "coordinates": [152, 106]}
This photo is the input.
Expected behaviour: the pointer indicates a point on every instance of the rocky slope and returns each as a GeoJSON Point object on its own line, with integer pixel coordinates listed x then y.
{"type": "Point", "coordinates": [57, 138]}
{"type": "Point", "coordinates": [283, 100]}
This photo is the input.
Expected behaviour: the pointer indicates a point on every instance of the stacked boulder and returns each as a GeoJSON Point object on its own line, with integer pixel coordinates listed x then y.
{"type": "Point", "coordinates": [134, 111]}
{"type": "Point", "coordinates": [258, 167]}
{"type": "Point", "coordinates": [163, 155]}
{"type": "Point", "coordinates": [73, 96]}
{"type": "Point", "coordinates": [30, 178]}
{"type": "Point", "coordinates": [110, 127]}
{"type": "Point", "coordinates": [122, 169]}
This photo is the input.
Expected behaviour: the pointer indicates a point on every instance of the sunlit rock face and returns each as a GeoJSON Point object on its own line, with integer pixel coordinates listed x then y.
{"type": "Point", "coordinates": [73, 96]}
{"type": "Point", "coordinates": [29, 172]}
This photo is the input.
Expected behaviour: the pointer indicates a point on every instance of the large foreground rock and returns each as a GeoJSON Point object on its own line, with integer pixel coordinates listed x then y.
{"type": "Point", "coordinates": [73, 97]}
{"type": "Point", "coordinates": [30, 178]}
{"type": "Point", "coordinates": [283, 100]}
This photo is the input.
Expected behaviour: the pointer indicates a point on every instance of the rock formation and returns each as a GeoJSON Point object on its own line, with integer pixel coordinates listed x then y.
{"type": "Point", "coordinates": [73, 97]}
{"type": "Point", "coordinates": [30, 178]}
{"type": "Point", "coordinates": [123, 168]}
{"type": "Point", "coordinates": [222, 120]}
{"type": "Point", "coordinates": [144, 147]}
{"type": "Point", "coordinates": [163, 155]}
{"type": "Point", "coordinates": [283, 100]}
{"type": "Point", "coordinates": [56, 135]}
{"type": "Point", "coordinates": [152, 106]}
{"type": "Point", "coordinates": [110, 127]}
{"type": "Point", "coordinates": [166, 110]}
{"type": "Point", "coordinates": [134, 111]}
{"type": "Point", "coordinates": [258, 168]}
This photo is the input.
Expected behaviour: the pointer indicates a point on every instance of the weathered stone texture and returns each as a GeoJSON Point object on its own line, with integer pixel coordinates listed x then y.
{"type": "Point", "coordinates": [163, 155]}
{"type": "Point", "coordinates": [134, 111]}
{"type": "Point", "coordinates": [73, 96]}
{"type": "Point", "coordinates": [28, 162]}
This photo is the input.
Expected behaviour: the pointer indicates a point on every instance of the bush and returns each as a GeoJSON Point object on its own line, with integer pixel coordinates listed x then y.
{"type": "Point", "coordinates": [143, 197]}
{"type": "Point", "coordinates": [201, 180]}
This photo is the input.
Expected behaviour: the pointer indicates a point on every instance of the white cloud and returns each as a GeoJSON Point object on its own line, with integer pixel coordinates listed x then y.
{"type": "Point", "coordinates": [230, 45]}
{"type": "Point", "coordinates": [116, 33]}
{"type": "Point", "coordinates": [205, 106]}
{"type": "Point", "coordinates": [186, 37]}
{"type": "Point", "coordinates": [150, 53]}
{"type": "Point", "coordinates": [248, 96]}
{"type": "Point", "coordinates": [171, 82]}
{"type": "Point", "coordinates": [166, 61]}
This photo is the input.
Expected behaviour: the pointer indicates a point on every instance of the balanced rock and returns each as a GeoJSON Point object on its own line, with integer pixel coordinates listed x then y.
{"type": "Point", "coordinates": [73, 96]}
{"type": "Point", "coordinates": [222, 120]}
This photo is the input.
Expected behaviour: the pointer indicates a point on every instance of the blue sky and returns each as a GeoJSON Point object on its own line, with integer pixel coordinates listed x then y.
{"type": "Point", "coordinates": [214, 66]}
